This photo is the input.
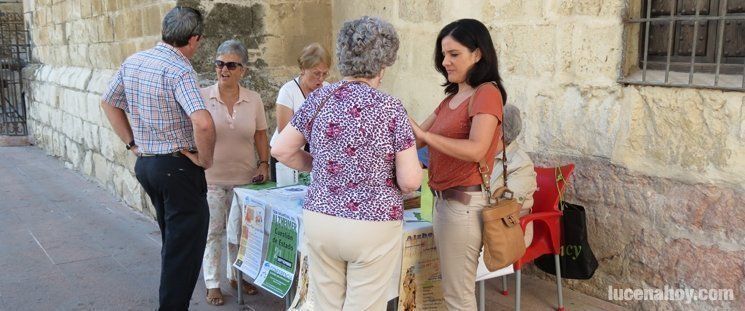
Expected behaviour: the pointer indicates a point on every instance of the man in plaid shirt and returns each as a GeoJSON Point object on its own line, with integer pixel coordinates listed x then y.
{"type": "Point", "coordinates": [169, 121]}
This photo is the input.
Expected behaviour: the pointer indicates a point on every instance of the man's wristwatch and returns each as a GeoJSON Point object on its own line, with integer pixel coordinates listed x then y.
{"type": "Point", "coordinates": [258, 163]}
{"type": "Point", "coordinates": [131, 145]}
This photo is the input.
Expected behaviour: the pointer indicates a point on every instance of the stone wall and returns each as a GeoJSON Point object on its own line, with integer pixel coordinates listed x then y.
{"type": "Point", "coordinates": [660, 170]}
{"type": "Point", "coordinates": [78, 45]}
{"type": "Point", "coordinates": [14, 7]}
{"type": "Point", "coordinates": [273, 31]}
{"type": "Point", "coordinates": [76, 48]}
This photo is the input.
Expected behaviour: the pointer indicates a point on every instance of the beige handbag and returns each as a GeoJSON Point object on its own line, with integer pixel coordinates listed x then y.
{"type": "Point", "coordinates": [502, 235]}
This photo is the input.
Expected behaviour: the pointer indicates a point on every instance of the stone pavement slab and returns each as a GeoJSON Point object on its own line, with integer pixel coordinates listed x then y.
{"type": "Point", "coordinates": [68, 244]}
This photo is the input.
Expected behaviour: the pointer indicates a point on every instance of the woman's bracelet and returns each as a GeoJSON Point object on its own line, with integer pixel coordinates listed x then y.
{"type": "Point", "coordinates": [258, 163]}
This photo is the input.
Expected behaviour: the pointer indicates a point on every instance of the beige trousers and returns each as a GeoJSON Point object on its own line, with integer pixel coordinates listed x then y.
{"type": "Point", "coordinates": [457, 229]}
{"type": "Point", "coordinates": [219, 199]}
{"type": "Point", "coordinates": [350, 262]}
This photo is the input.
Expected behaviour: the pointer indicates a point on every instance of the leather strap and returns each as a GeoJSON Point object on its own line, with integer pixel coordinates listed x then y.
{"type": "Point", "coordinates": [309, 126]}
{"type": "Point", "coordinates": [560, 177]}
{"type": "Point", "coordinates": [175, 154]}
{"type": "Point", "coordinates": [483, 168]}
{"type": "Point", "coordinates": [467, 188]}
{"type": "Point", "coordinates": [454, 194]}
{"type": "Point", "coordinates": [299, 88]}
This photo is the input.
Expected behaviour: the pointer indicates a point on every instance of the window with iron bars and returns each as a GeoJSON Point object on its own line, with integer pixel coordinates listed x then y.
{"type": "Point", "coordinates": [667, 32]}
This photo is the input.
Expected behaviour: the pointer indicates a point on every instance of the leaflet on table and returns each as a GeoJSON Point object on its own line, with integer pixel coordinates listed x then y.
{"type": "Point", "coordinates": [252, 240]}
{"type": "Point", "coordinates": [278, 270]}
{"type": "Point", "coordinates": [414, 215]}
{"type": "Point", "coordinates": [290, 197]}
{"type": "Point", "coordinates": [420, 287]}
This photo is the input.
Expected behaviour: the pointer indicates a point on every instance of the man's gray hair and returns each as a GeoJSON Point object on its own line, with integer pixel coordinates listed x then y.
{"type": "Point", "coordinates": [180, 24]}
{"type": "Point", "coordinates": [513, 123]}
{"type": "Point", "coordinates": [233, 46]}
{"type": "Point", "coordinates": [365, 46]}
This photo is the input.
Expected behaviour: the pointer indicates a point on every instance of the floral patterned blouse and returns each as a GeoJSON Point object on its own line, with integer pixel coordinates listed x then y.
{"type": "Point", "coordinates": [354, 140]}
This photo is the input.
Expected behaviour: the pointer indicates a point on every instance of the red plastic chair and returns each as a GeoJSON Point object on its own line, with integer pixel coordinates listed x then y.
{"type": "Point", "coordinates": [546, 218]}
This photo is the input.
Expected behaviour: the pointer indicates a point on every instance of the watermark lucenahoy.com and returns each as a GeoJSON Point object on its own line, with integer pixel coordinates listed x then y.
{"type": "Point", "coordinates": [668, 293]}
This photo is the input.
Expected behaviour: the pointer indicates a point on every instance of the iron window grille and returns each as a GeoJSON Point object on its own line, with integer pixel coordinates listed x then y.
{"type": "Point", "coordinates": [14, 55]}
{"type": "Point", "coordinates": [689, 43]}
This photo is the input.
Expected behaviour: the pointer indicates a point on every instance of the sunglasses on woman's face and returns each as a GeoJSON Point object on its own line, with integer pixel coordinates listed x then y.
{"type": "Point", "coordinates": [231, 65]}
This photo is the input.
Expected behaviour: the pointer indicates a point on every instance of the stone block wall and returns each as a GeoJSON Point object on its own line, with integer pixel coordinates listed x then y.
{"type": "Point", "coordinates": [274, 33]}
{"type": "Point", "coordinates": [66, 120]}
{"type": "Point", "coordinates": [92, 33]}
{"type": "Point", "coordinates": [76, 47]}
{"type": "Point", "coordinates": [14, 7]}
{"type": "Point", "coordinates": [660, 170]}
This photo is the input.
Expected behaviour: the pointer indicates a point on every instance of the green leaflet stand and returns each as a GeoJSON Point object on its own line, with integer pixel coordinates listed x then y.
{"type": "Point", "coordinates": [426, 201]}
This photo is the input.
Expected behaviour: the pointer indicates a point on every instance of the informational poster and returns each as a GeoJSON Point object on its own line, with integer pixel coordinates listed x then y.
{"type": "Point", "coordinates": [278, 270]}
{"type": "Point", "coordinates": [252, 240]}
{"type": "Point", "coordinates": [420, 287]}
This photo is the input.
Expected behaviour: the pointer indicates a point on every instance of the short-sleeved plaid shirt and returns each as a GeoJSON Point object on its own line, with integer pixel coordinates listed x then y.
{"type": "Point", "coordinates": [158, 88]}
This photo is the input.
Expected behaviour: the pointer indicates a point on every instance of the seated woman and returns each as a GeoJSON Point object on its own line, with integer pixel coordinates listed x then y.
{"type": "Point", "coordinates": [520, 172]}
{"type": "Point", "coordinates": [362, 158]}
{"type": "Point", "coordinates": [314, 64]}
{"type": "Point", "coordinates": [240, 126]}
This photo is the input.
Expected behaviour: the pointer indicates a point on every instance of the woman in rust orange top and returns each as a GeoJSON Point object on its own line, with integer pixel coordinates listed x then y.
{"type": "Point", "coordinates": [457, 140]}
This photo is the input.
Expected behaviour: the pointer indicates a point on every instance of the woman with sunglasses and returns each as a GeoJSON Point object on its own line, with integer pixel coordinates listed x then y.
{"type": "Point", "coordinates": [314, 64]}
{"type": "Point", "coordinates": [240, 124]}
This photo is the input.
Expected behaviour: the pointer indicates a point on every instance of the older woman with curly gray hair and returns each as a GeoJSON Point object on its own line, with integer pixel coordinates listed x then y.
{"type": "Point", "coordinates": [362, 159]}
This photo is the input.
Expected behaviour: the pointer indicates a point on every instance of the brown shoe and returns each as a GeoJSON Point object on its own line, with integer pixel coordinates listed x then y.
{"type": "Point", "coordinates": [248, 288]}
{"type": "Point", "coordinates": [214, 297]}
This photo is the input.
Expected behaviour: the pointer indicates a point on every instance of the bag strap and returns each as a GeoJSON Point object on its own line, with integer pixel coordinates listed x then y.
{"type": "Point", "coordinates": [299, 88]}
{"type": "Point", "coordinates": [309, 125]}
{"type": "Point", "coordinates": [560, 177]}
{"type": "Point", "coordinates": [483, 168]}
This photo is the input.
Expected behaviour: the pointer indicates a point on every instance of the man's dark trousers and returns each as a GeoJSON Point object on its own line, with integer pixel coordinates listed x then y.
{"type": "Point", "coordinates": [178, 190]}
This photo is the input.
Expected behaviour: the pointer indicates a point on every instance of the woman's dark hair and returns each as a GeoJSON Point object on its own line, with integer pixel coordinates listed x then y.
{"type": "Point", "coordinates": [473, 35]}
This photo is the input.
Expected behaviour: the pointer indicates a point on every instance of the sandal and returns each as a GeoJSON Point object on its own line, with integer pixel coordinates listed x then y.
{"type": "Point", "coordinates": [214, 297]}
{"type": "Point", "coordinates": [247, 287]}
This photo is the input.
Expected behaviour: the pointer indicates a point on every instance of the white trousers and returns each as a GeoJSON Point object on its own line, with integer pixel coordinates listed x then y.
{"type": "Point", "coordinates": [457, 229]}
{"type": "Point", "coordinates": [351, 261]}
{"type": "Point", "coordinates": [219, 199]}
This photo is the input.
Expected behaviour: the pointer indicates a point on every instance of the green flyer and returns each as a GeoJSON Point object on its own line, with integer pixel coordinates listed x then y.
{"type": "Point", "coordinates": [426, 201]}
{"type": "Point", "coordinates": [278, 270]}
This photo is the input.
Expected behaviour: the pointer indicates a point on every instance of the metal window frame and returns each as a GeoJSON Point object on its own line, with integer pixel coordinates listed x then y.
{"type": "Point", "coordinates": [671, 19]}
